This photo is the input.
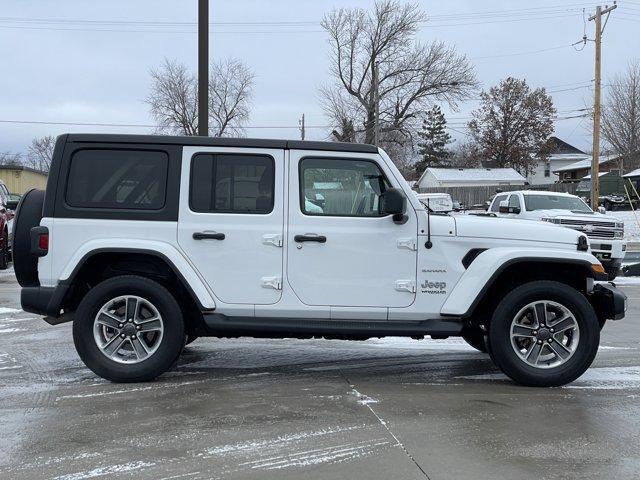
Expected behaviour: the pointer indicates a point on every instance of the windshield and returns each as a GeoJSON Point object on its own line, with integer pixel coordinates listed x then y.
{"type": "Point", "coordinates": [555, 202]}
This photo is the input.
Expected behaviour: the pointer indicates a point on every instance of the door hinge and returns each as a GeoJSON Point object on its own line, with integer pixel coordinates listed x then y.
{"type": "Point", "coordinates": [406, 286]}
{"type": "Point", "coordinates": [272, 282]}
{"type": "Point", "coordinates": [272, 239]}
{"type": "Point", "coordinates": [408, 243]}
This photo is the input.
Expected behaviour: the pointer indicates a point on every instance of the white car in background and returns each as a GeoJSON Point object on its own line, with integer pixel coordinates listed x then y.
{"type": "Point", "coordinates": [437, 202]}
{"type": "Point", "coordinates": [605, 232]}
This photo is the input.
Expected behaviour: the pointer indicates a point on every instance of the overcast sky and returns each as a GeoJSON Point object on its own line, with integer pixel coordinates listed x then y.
{"type": "Point", "coordinates": [63, 62]}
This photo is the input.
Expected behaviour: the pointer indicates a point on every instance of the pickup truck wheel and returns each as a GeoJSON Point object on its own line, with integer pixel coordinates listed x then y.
{"type": "Point", "coordinates": [476, 338]}
{"type": "Point", "coordinates": [128, 329]}
{"type": "Point", "coordinates": [544, 334]}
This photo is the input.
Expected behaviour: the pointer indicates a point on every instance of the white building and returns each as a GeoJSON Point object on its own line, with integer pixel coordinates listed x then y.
{"type": "Point", "coordinates": [561, 156]}
{"type": "Point", "coordinates": [469, 177]}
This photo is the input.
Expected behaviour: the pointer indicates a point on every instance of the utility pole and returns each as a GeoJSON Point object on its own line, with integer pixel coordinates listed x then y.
{"type": "Point", "coordinates": [203, 68]}
{"type": "Point", "coordinates": [376, 100]}
{"type": "Point", "coordinates": [595, 159]}
{"type": "Point", "coordinates": [302, 130]}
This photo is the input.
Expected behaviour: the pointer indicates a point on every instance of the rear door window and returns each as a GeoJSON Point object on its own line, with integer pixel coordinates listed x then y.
{"type": "Point", "coordinates": [118, 179]}
{"type": "Point", "coordinates": [232, 183]}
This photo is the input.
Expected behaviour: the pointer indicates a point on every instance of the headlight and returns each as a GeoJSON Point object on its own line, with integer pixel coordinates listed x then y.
{"type": "Point", "coordinates": [619, 225]}
{"type": "Point", "coordinates": [551, 220]}
{"type": "Point", "coordinates": [618, 234]}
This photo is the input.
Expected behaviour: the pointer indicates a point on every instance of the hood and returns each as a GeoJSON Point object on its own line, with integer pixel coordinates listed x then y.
{"type": "Point", "coordinates": [594, 217]}
{"type": "Point", "coordinates": [511, 229]}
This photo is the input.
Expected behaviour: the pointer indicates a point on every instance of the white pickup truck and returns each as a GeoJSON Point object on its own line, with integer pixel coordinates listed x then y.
{"type": "Point", "coordinates": [605, 232]}
{"type": "Point", "coordinates": [147, 242]}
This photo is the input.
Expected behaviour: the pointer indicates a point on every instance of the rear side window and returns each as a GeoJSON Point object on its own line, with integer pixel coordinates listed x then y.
{"type": "Point", "coordinates": [232, 183]}
{"type": "Point", "coordinates": [118, 179]}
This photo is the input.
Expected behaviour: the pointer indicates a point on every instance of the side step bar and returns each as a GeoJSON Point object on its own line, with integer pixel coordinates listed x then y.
{"type": "Point", "coordinates": [222, 325]}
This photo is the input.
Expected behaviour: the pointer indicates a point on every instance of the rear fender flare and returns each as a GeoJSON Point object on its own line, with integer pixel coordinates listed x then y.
{"type": "Point", "coordinates": [165, 251]}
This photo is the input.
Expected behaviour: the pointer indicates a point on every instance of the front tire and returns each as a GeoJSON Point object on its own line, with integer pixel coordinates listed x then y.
{"type": "Point", "coordinates": [544, 334]}
{"type": "Point", "coordinates": [128, 329]}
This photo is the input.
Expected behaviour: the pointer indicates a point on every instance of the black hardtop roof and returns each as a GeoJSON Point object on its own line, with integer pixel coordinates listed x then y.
{"type": "Point", "coordinates": [220, 142]}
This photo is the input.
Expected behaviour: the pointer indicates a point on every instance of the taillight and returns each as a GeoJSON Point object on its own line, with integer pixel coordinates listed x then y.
{"type": "Point", "coordinates": [43, 241]}
{"type": "Point", "coordinates": [39, 241]}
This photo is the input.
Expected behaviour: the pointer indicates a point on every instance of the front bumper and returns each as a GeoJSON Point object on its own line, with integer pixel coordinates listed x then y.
{"type": "Point", "coordinates": [610, 253]}
{"type": "Point", "coordinates": [608, 301]}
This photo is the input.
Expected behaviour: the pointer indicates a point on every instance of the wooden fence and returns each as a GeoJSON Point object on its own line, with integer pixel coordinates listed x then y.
{"type": "Point", "coordinates": [477, 195]}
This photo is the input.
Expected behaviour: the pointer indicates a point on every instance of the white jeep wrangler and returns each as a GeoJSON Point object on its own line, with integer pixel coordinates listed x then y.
{"type": "Point", "coordinates": [147, 242]}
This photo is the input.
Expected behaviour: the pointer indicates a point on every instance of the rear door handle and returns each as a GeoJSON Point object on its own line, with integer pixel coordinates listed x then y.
{"type": "Point", "coordinates": [311, 237]}
{"type": "Point", "coordinates": [208, 236]}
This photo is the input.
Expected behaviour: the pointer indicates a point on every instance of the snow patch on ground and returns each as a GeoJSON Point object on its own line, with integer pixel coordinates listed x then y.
{"type": "Point", "coordinates": [317, 456]}
{"type": "Point", "coordinates": [5, 310]}
{"type": "Point", "coordinates": [451, 344]}
{"type": "Point", "coordinates": [289, 450]}
{"type": "Point", "coordinates": [622, 281]}
{"type": "Point", "coordinates": [106, 471]}
{"type": "Point", "coordinates": [363, 399]}
{"type": "Point", "coordinates": [158, 386]}
{"type": "Point", "coordinates": [10, 330]}
{"type": "Point", "coordinates": [598, 378]}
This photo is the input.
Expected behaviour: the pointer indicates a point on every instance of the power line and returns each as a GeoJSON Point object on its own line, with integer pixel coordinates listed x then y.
{"type": "Point", "coordinates": [522, 12]}
{"type": "Point", "coordinates": [475, 18]}
{"type": "Point", "coordinates": [139, 125]}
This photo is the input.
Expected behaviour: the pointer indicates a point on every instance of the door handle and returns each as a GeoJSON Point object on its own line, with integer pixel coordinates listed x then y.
{"type": "Point", "coordinates": [311, 237]}
{"type": "Point", "coordinates": [208, 236]}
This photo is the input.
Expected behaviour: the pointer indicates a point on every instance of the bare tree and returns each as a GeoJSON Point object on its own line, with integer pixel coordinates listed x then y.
{"type": "Point", "coordinates": [465, 155]}
{"type": "Point", "coordinates": [411, 74]}
{"type": "Point", "coordinates": [41, 153]}
{"type": "Point", "coordinates": [230, 88]}
{"type": "Point", "coordinates": [12, 159]}
{"type": "Point", "coordinates": [173, 100]}
{"type": "Point", "coordinates": [513, 125]}
{"type": "Point", "coordinates": [621, 116]}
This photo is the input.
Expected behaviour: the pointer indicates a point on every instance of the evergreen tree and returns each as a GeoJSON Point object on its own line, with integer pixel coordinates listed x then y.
{"type": "Point", "coordinates": [434, 139]}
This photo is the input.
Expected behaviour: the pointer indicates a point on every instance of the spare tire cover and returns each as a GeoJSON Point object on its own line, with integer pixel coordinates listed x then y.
{"type": "Point", "coordinates": [28, 215]}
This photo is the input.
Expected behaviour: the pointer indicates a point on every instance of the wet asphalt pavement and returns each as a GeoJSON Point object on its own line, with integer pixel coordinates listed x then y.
{"type": "Point", "coordinates": [291, 409]}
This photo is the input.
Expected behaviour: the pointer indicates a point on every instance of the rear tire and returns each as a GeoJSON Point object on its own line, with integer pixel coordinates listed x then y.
{"type": "Point", "coordinates": [128, 329]}
{"type": "Point", "coordinates": [549, 352]}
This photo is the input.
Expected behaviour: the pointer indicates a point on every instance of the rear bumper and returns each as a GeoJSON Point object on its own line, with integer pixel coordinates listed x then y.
{"type": "Point", "coordinates": [608, 301]}
{"type": "Point", "coordinates": [45, 301]}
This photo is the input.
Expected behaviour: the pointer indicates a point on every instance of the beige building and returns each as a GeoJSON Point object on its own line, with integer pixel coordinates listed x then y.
{"type": "Point", "coordinates": [19, 179]}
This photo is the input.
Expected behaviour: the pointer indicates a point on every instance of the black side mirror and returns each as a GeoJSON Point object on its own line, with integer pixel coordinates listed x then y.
{"type": "Point", "coordinates": [393, 202]}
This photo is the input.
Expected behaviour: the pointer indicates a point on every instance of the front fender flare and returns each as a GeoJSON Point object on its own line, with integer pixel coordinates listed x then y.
{"type": "Point", "coordinates": [488, 266]}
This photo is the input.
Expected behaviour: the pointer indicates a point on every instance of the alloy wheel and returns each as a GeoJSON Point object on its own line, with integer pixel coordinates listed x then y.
{"type": "Point", "coordinates": [544, 334]}
{"type": "Point", "coordinates": [128, 329]}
